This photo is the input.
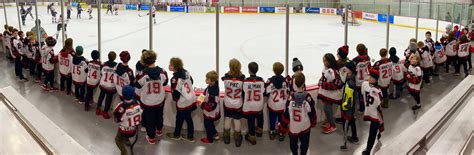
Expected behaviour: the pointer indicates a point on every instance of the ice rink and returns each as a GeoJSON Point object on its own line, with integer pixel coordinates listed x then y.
{"type": "Point", "coordinates": [246, 37]}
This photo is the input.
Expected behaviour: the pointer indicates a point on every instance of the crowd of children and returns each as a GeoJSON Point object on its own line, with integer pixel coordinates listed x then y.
{"type": "Point", "coordinates": [291, 107]}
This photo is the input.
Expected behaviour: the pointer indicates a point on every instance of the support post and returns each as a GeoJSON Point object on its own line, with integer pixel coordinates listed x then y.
{"type": "Point", "coordinates": [417, 19]}
{"type": "Point", "coordinates": [99, 28]}
{"type": "Point", "coordinates": [287, 38]}
{"type": "Point", "coordinates": [388, 27]}
{"type": "Point", "coordinates": [62, 21]}
{"type": "Point", "coordinates": [346, 25]}
{"type": "Point", "coordinates": [5, 12]}
{"type": "Point", "coordinates": [37, 24]}
{"type": "Point", "coordinates": [18, 13]}
{"type": "Point", "coordinates": [217, 37]}
{"type": "Point", "coordinates": [150, 17]}
{"type": "Point", "coordinates": [437, 23]}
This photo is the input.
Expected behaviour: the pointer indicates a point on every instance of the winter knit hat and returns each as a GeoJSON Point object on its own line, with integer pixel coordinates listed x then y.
{"type": "Point", "coordinates": [297, 65]}
{"type": "Point", "coordinates": [343, 51]}
{"type": "Point", "coordinates": [128, 92]}
{"type": "Point", "coordinates": [374, 73]}
{"type": "Point", "coordinates": [393, 55]}
{"type": "Point", "coordinates": [413, 47]}
{"type": "Point", "coordinates": [95, 54]}
{"type": "Point", "coordinates": [79, 50]}
{"type": "Point", "coordinates": [351, 66]}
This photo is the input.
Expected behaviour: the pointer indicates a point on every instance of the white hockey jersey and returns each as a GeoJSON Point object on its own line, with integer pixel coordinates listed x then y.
{"type": "Point", "coordinates": [426, 60]}
{"type": "Point", "coordinates": [79, 75]}
{"type": "Point", "coordinates": [362, 69]}
{"type": "Point", "coordinates": [210, 100]}
{"type": "Point", "coordinates": [185, 87]}
{"type": "Point", "coordinates": [330, 87]}
{"type": "Point", "coordinates": [107, 80]}
{"type": "Point", "coordinates": [384, 66]}
{"type": "Point", "coordinates": [440, 56]}
{"type": "Point", "coordinates": [450, 49]}
{"type": "Point", "coordinates": [414, 78]}
{"type": "Point", "coordinates": [93, 74]}
{"type": "Point", "coordinates": [128, 116]}
{"type": "Point", "coordinates": [463, 51]}
{"type": "Point", "coordinates": [123, 76]}
{"type": "Point", "coordinates": [300, 113]}
{"type": "Point", "coordinates": [47, 53]}
{"type": "Point", "coordinates": [253, 88]}
{"type": "Point", "coordinates": [277, 97]}
{"type": "Point", "coordinates": [65, 64]}
{"type": "Point", "coordinates": [233, 92]}
{"type": "Point", "coordinates": [152, 83]}
{"type": "Point", "coordinates": [398, 70]}
{"type": "Point", "coordinates": [372, 99]}
{"type": "Point", "coordinates": [17, 47]}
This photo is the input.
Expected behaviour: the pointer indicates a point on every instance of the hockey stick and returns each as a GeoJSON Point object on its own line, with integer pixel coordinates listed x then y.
{"type": "Point", "coordinates": [344, 131]}
{"type": "Point", "coordinates": [135, 141]}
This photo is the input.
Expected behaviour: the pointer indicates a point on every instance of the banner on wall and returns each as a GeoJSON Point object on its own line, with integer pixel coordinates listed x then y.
{"type": "Point", "coordinates": [357, 14]}
{"type": "Point", "coordinates": [267, 9]}
{"type": "Point", "coordinates": [231, 9]}
{"type": "Point", "coordinates": [328, 11]}
{"type": "Point", "coordinates": [383, 18]}
{"type": "Point", "coordinates": [177, 9]}
{"type": "Point", "coordinates": [249, 9]}
{"type": "Point", "coordinates": [74, 4]}
{"type": "Point", "coordinates": [313, 10]}
{"type": "Point", "coordinates": [131, 7]}
{"type": "Point", "coordinates": [145, 7]}
{"type": "Point", "coordinates": [196, 9]}
{"type": "Point", "coordinates": [210, 9]}
{"type": "Point", "coordinates": [280, 9]}
{"type": "Point", "coordinates": [369, 16]}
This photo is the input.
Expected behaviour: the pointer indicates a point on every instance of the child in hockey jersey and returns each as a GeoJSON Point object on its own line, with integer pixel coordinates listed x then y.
{"type": "Point", "coordinates": [426, 62]}
{"type": "Point", "coordinates": [210, 107]}
{"type": "Point", "coordinates": [6, 41]}
{"type": "Point", "coordinates": [152, 82]}
{"type": "Point", "coordinates": [413, 49]}
{"type": "Point", "coordinates": [107, 85]}
{"type": "Point", "coordinates": [123, 73]}
{"type": "Point", "coordinates": [139, 67]}
{"type": "Point", "coordinates": [48, 59]}
{"type": "Point", "coordinates": [277, 92]}
{"type": "Point", "coordinates": [183, 94]}
{"type": "Point", "coordinates": [463, 54]}
{"type": "Point", "coordinates": [297, 68]}
{"type": "Point", "coordinates": [38, 63]}
{"type": "Point", "coordinates": [89, 11]}
{"type": "Point", "coordinates": [65, 66]}
{"type": "Point", "coordinates": [384, 66]}
{"type": "Point", "coordinates": [330, 92]}
{"type": "Point", "coordinates": [128, 116]}
{"type": "Point", "coordinates": [372, 97]}
{"type": "Point", "coordinates": [16, 53]}
{"type": "Point", "coordinates": [233, 82]}
{"type": "Point", "coordinates": [299, 117]}
{"type": "Point", "coordinates": [451, 51]}
{"type": "Point", "coordinates": [348, 106]}
{"type": "Point", "coordinates": [398, 76]}
{"type": "Point", "coordinates": [30, 50]}
{"type": "Point", "coordinates": [414, 76]}
{"type": "Point", "coordinates": [429, 42]}
{"type": "Point", "coordinates": [363, 65]}
{"type": "Point", "coordinates": [252, 107]}
{"type": "Point", "coordinates": [79, 74]}
{"type": "Point", "coordinates": [439, 56]}
{"type": "Point", "coordinates": [93, 78]}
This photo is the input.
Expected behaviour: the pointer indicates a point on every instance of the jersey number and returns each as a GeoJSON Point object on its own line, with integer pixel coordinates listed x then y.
{"type": "Point", "coordinates": [136, 120]}
{"type": "Point", "coordinates": [188, 89]}
{"type": "Point", "coordinates": [361, 74]}
{"type": "Point", "coordinates": [397, 69]}
{"type": "Point", "coordinates": [64, 62]}
{"type": "Point", "coordinates": [237, 93]}
{"type": "Point", "coordinates": [296, 115]}
{"type": "Point", "coordinates": [369, 100]}
{"type": "Point", "coordinates": [276, 97]}
{"type": "Point", "coordinates": [154, 88]}
{"type": "Point", "coordinates": [387, 73]}
{"type": "Point", "coordinates": [109, 77]}
{"type": "Point", "coordinates": [256, 95]}
{"type": "Point", "coordinates": [76, 70]}
{"type": "Point", "coordinates": [92, 75]}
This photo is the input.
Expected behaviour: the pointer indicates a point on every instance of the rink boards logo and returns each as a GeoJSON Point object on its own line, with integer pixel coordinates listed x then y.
{"type": "Point", "coordinates": [196, 9]}
{"type": "Point", "coordinates": [131, 7]}
{"type": "Point", "coordinates": [231, 9]}
{"type": "Point", "coordinates": [280, 9]}
{"type": "Point", "coordinates": [145, 7]}
{"type": "Point", "coordinates": [177, 9]}
{"type": "Point", "coordinates": [267, 9]}
{"type": "Point", "coordinates": [313, 10]}
{"type": "Point", "coordinates": [250, 9]}
{"type": "Point", "coordinates": [328, 11]}
{"type": "Point", "coordinates": [369, 16]}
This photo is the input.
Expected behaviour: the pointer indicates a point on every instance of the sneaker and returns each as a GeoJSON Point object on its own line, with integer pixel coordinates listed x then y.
{"type": "Point", "coordinates": [25, 80]}
{"type": "Point", "coordinates": [143, 129]}
{"type": "Point", "coordinates": [53, 89]}
{"type": "Point", "coordinates": [272, 134]}
{"type": "Point", "coordinates": [329, 129]}
{"type": "Point", "coordinates": [38, 80]}
{"type": "Point", "coordinates": [159, 133]}
{"type": "Point", "coordinates": [151, 140]}
{"type": "Point", "coordinates": [415, 107]}
{"type": "Point", "coordinates": [188, 139]}
{"type": "Point", "coordinates": [105, 115]}
{"type": "Point", "coordinates": [325, 125]}
{"type": "Point", "coordinates": [217, 137]}
{"type": "Point", "coordinates": [81, 102]}
{"type": "Point", "coordinates": [206, 141]}
{"type": "Point", "coordinates": [172, 136]}
{"type": "Point", "coordinates": [98, 111]}
{"type": "Point", "coordinates": [353, 140]}
{"type": "Point", "coordinates": [45, 87]}
{"type": "Point", "coordinates": [281, 137]}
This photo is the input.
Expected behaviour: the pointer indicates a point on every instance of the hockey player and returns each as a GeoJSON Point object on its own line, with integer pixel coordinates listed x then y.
{"type": "Point", "coordinates": [107, 85]}
{"type": "Point", "coordinates": [363, 65]}
{"type": "Point", "coordinates": [429, 42]}
{"type": "Point", "coordinates": [252, 106]}
{"type": "Point", "coordinates": [210, 107]}
{"type": "Point", "coordinates": [79, 11]}
{"type": "Point", "coordinates": [299, 117]}
{"type": "Point", "coordinates": [79, 74]}
{"type": "Point", "coordinates": [89, 11]}
{"type": "Point", "coordinates": [123, 74]}
{"type": "Point", "coordinates": [53, 14]}
{"type": "Point", "coordinates": [94, 74]}
{"type": "Point", "coordinates": [414, 77]}
{"type": "Point", "coordinates": [373, 113]}
{"type": "Point", "coordinates": [463, 54]}
{"type": "Point", "coordinates": [31, 50]}
{"type": "Point", "coordinates": [426, 63]}
{"type": "Point", "coordinates": [277, 92]}
{"type": "Point", "coordinates": [233, 82]}
{"type": "Point", "coordinates": [330, 92]}
{"type": "Point", "coordinates": [128, 115]}
{"type": "Point", "coordinates": [60, 26]}
{"type": "Point", "coordinates": [384, 66]}
{"type": "Point", "coordinates": [48, 59]}
{"type": "Point", "coordinates": [109, 9]}
{"type": "Point", "coordinates": [152, 82]}
{"type": "Point", "coordinates": [16, 53]}
{"type": "Point", "coordinates": [153, 11]}
{"type": "Point", "coordinates": [451, 51]}
{"type": "Point", "coordinates": [65, 66]}
{"type": "Point", "coordinates": [439, 56]}
{"type": "Point", "coordinates": [398, 76]}
{"type": "Point", "coordinates": [182, 91]}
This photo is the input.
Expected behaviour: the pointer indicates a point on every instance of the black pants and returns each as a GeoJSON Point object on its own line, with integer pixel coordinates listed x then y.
{"type": "Point", "coordinates": [469, 60]}
{"type": "Point", "coordinates": [39, 70]}
{"type": "Point", "coordinates": [152, 120]}
{"type": "Point", "coordinates": [451, 60]}
{"type": "Point", "coordinates": [361, 100]}
{"type": "Point", "coordinates": [463, 62]}
{"type": "Point", "coordinates": [416, 96]}
{"type": "Point", "coordinates": [373, 133]}
{"type": "Point", "coordinates": [19, 68]}
{"type": "Point", "coordinates": [398, 89]}
{"type": "Point", "coordinates": [260, 120]}
{"type": "Point", "coordinates": [108, 99]}
{"type": "Point", "coordinates": [210, 129]}
{"type": "Point", "coordinates": [182, 116]}
{"type": "Point", "coordinates": [79, 90]}
{"type": "Point", "coordinates": [303, 138]}
{"type": "Point", "coordinates": [426, 74]}
{"type": "Point", "coordinates": [89, 96]}
{"type": "Point", "coordinates": [49, 78]}
{"type": "Point", "coordinates": [251, 123]}
{"type": "Point", "coordinates": [32, 67]}
{"type": "Point", "coordinates": [65, 81]}
{"type": "Point", "coordinates": [274, 118]}
{"type": "Point", "coordinates": [351, 124]}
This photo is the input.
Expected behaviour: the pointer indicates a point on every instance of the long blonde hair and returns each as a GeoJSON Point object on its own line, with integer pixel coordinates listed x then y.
{"type": "Point", "coordinates": [234, 68]}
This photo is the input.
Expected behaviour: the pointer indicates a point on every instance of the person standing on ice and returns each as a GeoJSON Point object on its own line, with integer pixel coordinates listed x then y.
{"type": "Point", "coordinates": [23, 15]}
{"type": "Point", "coordinates": [28, 12]}
{"type": "Point", "coordinates": [79, 11]}
{"type": "Point", "coordinates": [42, 32]}
{"type": "Point", "coordinates": [48, 8]}
{"type": "Point", "coordinates": [90, 12]}
{"type": "Point", "coordinates": [153, 11]}
{"type": "Point", "coordinates": [109, 8]}
{"type": "Point", "coordinates": [60, 26]}
{"type": "Point", "coordinates": [69, 10]}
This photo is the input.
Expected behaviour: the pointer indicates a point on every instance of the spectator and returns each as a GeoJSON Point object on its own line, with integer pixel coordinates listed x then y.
{"type": "Point", "coordinates": [42, 33]}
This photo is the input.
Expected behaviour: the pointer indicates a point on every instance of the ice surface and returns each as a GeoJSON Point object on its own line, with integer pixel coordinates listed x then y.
{"type": "Point", "coordinates": [246, 37]}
